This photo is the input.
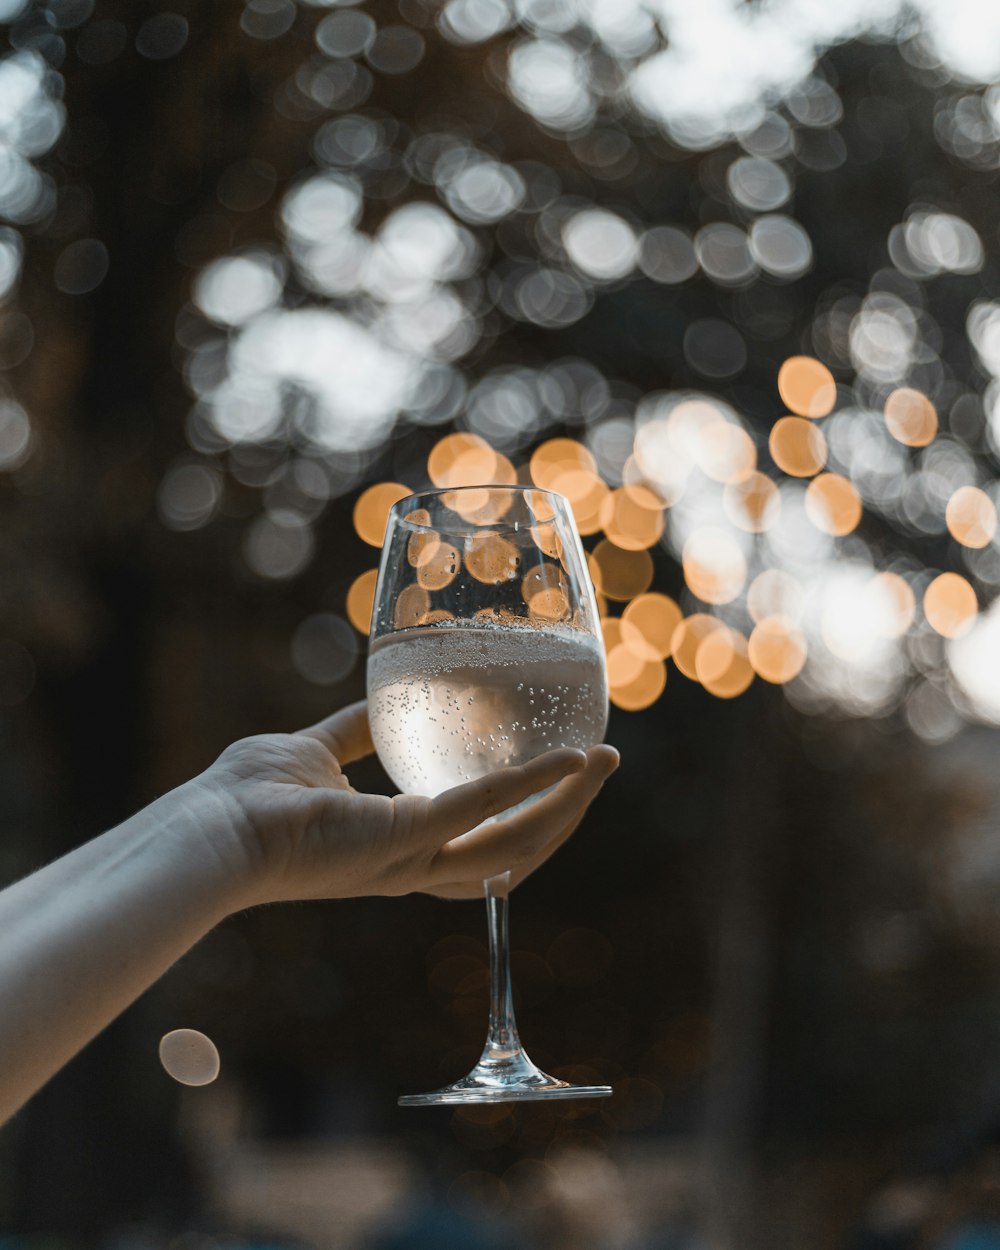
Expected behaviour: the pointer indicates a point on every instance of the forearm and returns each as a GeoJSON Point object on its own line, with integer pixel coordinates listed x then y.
{"type": "Point", "coordinates": [83, 937]}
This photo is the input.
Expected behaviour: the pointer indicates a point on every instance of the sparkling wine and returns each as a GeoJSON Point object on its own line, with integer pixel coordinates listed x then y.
{"type": "Point", "coordinates": [449, 703]}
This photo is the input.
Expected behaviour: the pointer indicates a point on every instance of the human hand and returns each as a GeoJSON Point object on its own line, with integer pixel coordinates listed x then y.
{"type": "Point", "coordinates": [289, 824]}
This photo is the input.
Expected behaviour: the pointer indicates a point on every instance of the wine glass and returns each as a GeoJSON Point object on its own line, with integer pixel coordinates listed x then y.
{"type": "Point", "coordinates": [485, 651]}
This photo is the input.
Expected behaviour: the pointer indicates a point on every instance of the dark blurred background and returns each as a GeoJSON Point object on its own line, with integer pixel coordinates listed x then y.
{"type": "Point", "coordinates": [257, 258]}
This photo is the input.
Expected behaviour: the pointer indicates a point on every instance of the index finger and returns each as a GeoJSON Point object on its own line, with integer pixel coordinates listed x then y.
{"type": "Point", "coordinates": [461, 808]}
{"type": "Point", "coordinates": [345, 734]}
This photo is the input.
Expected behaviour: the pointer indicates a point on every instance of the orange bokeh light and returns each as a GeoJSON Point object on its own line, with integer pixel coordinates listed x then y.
{"type": "Point", "coordinates": [971, 517]}
{"type": "Point", "coordinates": [644, 688]}
{"type": "Point", "coordinates": [648, 625]}
{"type": "Point", "coordinates": [688, 637]}
{"type": "Point", "coordinates": [546, 538]}
{"type": "Point", "coordinates": [777, 649]}
{"type": "Point", "coordinates": [950, 605]}
{"type": "Point", "coordinates": [361, 600]}
{"type": "Point", "coordinates": [910, 417]}
{"type": "Point", "coordinates": [807, 387]}
{"type": "Point", "coordinates": [479, 505]}
{"type": "Point", "coordinates": [620, 574]}
{"type": "Point", "coordinates": [438, 565]}
{"type": "Point", "coordinates": [753, 503]}
{"type": "Point", "coordinates": [624, 666]}
{"type": "Point", "coordinates": [491, 558]}
{"type": "Point", "coordinates": [421, 547]}
{"type": "Point", "coordinates": [371, 512]}
{"type": "Point", "coordinates": [544, 590]}
{"type": "Point", "coordinates": [549, 605]}
{"type": "Point", "coordinates": [557, 456]}
{"type": "Point", "coordinates": [721, 663]}
{"type": "Point", "coordinates": [412, 604]}
{"type": "Point", "coordinates": [629, 523]}
{"type": "Point", "coordinates": [586, 493]}
{"type": "Point", "coordinates": [797, 446]}
{"type": "Point", "coordinates": [468, 460]}
{"type": "Point", "coordinates": [833, 504]}
{"type": "Point", "coordinates": [611, 632]}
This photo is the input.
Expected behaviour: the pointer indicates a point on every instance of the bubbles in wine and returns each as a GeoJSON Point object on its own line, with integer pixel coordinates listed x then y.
{"type": "Point", "coordinates": [449, 703]}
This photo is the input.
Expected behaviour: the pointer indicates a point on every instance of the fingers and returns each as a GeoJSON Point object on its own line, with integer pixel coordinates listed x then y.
{"type": "Point", "coordinates": [345, 734]}
{"type": "Point", "coordinates": [460, 809]}
{"type": "Point", "coordinates": [524, 840]}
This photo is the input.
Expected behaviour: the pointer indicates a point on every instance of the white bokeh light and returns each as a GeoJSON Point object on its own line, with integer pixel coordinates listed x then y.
{"type": "Point", "coordinates": [974, 660]}
{"type": "Point", "coordinates": [236, 288]}
{"type": "Point", "coordinates": [600, 243]}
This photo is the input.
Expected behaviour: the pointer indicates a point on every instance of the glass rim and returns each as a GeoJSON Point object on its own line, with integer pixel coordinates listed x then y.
{"type": "Point", "coordinates": [562, 504]}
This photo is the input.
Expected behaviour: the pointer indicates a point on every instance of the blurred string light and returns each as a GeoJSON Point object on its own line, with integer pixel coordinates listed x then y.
{"type": "Point", "coordinates": [768, 593]}
{"type": "Point", "coordinates": [403, 253]}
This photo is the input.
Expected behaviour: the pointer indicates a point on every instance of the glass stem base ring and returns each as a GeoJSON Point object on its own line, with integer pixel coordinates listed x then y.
{"type": "Point", "coordinates": [509, 1078]}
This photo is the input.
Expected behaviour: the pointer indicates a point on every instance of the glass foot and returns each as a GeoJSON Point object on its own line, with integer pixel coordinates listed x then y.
{"type": "Point", "coordinates": [513, 1078]}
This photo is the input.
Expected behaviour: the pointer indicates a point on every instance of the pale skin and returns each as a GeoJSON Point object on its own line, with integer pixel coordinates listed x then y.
{"type": "Point", "coordinates": [274, 818]}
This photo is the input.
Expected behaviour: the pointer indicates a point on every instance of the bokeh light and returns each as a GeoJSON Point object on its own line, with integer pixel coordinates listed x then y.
{"type": "Point", "coordinates": [807, 387]}
{"type": "Point", "coordinates": [648, 625]}
{"type": "Point", "coordinates": [467, 460]}
{"type": "Point", "coordinates": [775, 593]}
{"type": "Point", "coordinates": [361, 600]}
{"type": "Point", "coordinates": [586, 492]}
{"type": "Point", "coordinates": [559, 456]}
{"type": "Point", "coordinates": [324, 648]}
{"type": "Point", "coordinates": [491, 558]}
{"type": "Point", "coordinates": [797, 447]}
{"type": "Point", "coordinates": [278, 545]}
{"type": "Point", "coordinates": [833, 504]}
{"type": "Point", "coordinates": [910, 417]}
{"type": "Point", "coordinates": [715, 567]}
{"type": "Point", "coordinates": [777, 649]}
{"type": "Point", "coordinates": [971, 516]}
{"type": "Point", "coordinates": [631, 519]}
{"type": "Point", "coordinates": [901, 603]}
{"type": "Point", "coordinates": [722, 665]}
{"type": "Point", "coordinates": [189, 1057]}
{"type": "Point", "coordinates": [411, 606]}
{"type": "Point", "coordinates": [624, 665]}
{"type": "Point", "coordinates": [437, 562]}
{"type": "Point", "coordinates": [950, 605]}
{"type": "Point", "coordinates": [752, 503]}
{"type": "Point", "coordinates": [643, 685]}
{"type": "Point", "coordinates": [619, 574]}
{"type": "Point", "coordinates": [687, 639]}
{"type": "Point", "coordinates": [371, 512]}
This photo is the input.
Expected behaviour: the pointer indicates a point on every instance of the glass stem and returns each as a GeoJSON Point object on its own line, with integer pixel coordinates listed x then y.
{"type": "Point", "coordinates": [502, 1041]}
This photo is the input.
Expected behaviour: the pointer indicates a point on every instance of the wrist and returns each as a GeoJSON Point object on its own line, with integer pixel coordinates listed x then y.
{"type": "Point", "coordinates": [201, 827]}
